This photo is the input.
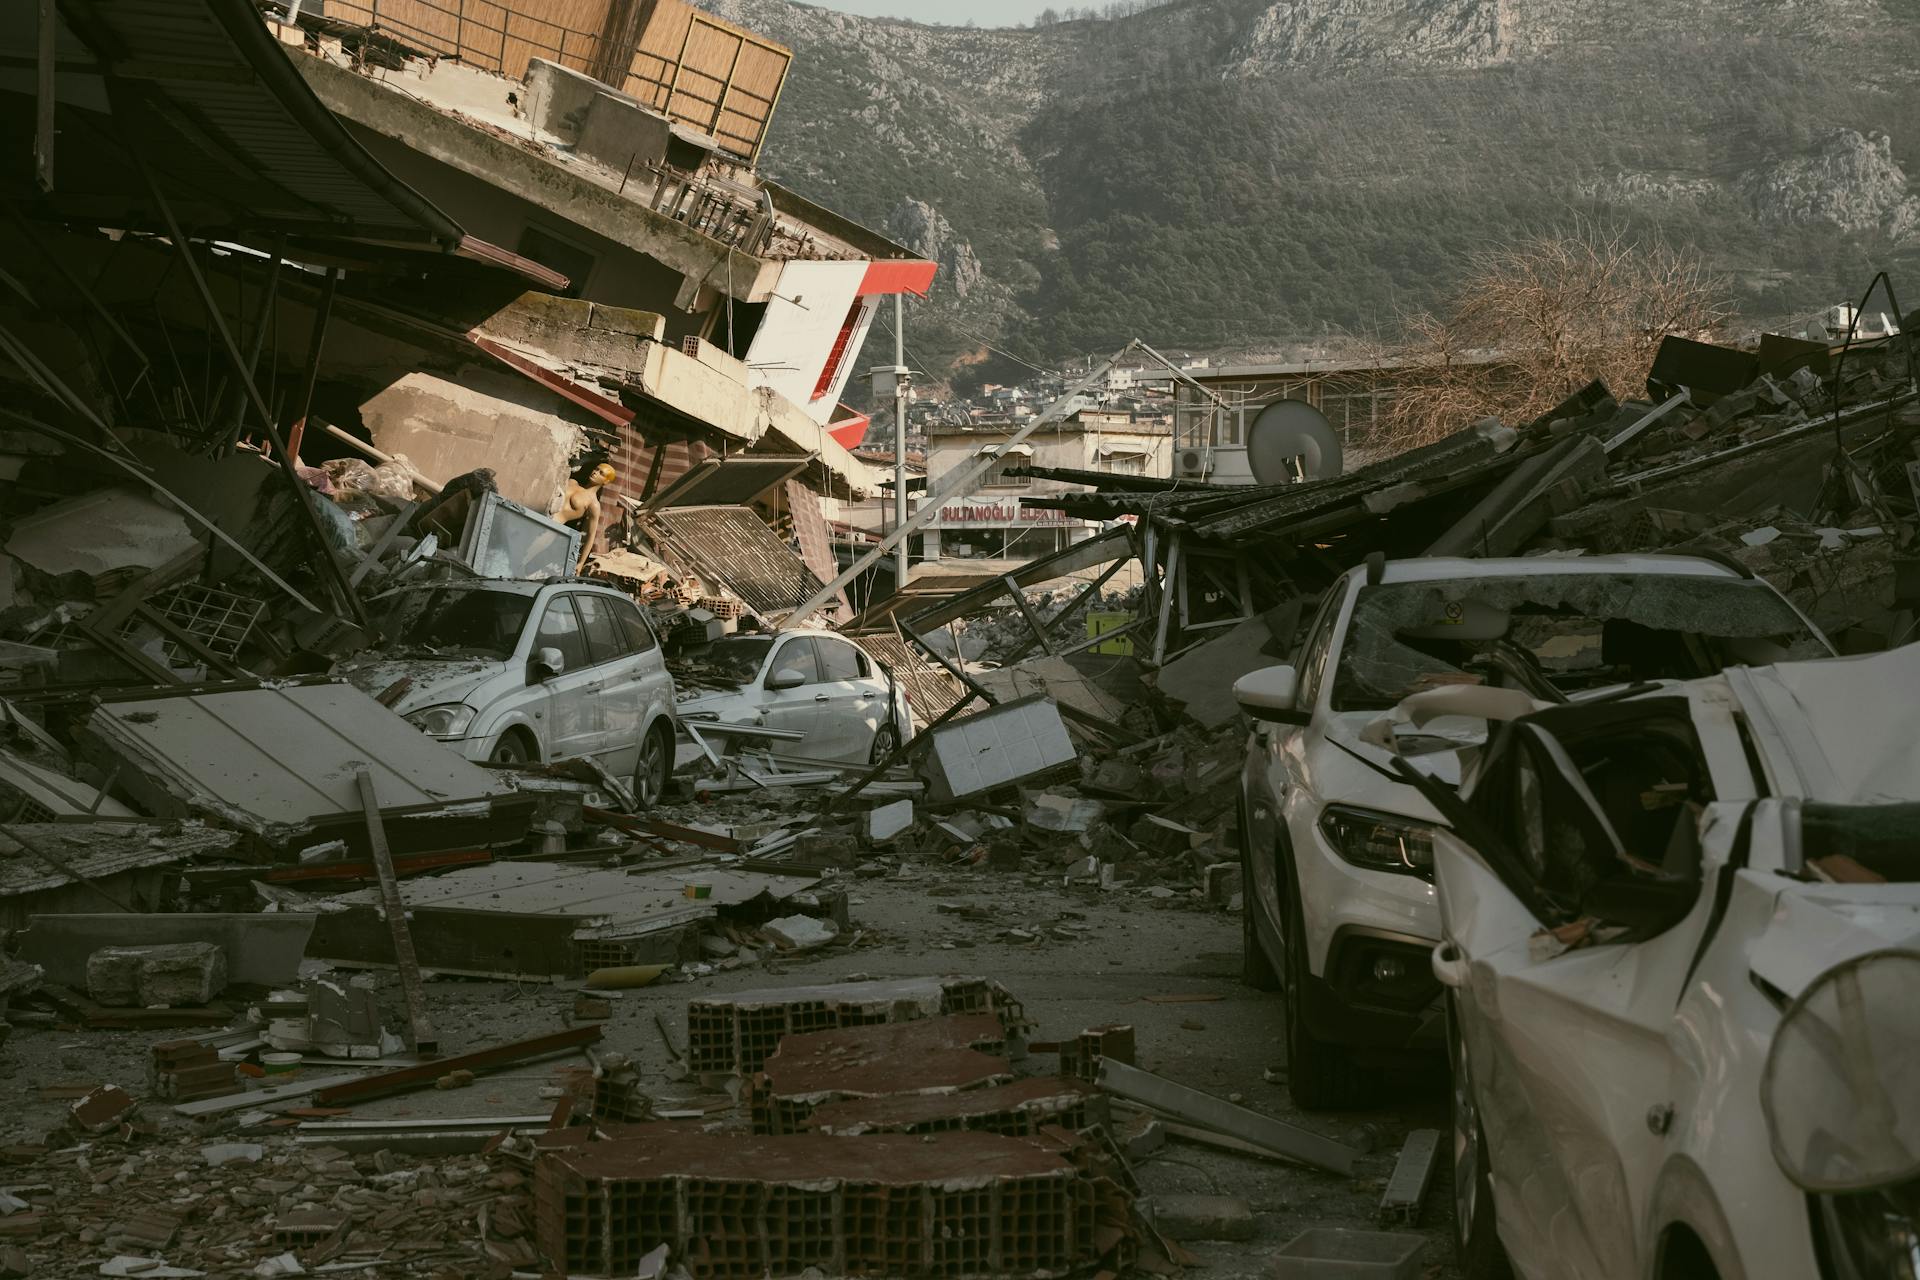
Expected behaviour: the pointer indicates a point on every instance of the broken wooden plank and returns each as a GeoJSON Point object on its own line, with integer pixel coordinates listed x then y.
{"type": "Point", "coordinates": [418, 1017]}
{"type": "Point", "coordinates": [407, 1079]}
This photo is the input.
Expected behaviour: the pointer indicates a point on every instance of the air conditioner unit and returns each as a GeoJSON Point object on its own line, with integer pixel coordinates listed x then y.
{"type": "Point", "coordinates": [1193, 463]}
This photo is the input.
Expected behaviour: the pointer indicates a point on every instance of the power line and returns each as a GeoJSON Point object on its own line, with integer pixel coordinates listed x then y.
{"type": "Point", "coordinates": [999, 351]}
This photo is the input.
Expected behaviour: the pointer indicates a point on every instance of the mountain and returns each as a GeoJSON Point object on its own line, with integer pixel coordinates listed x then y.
{"type": "Point", "coordinates": [1245, 175]}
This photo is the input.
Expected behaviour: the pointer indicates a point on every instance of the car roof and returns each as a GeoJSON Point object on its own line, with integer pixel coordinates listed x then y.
{"type": "Point", "coordinates": [514, 586]}
{"type": "Point", "coordinates": [1433, 568]}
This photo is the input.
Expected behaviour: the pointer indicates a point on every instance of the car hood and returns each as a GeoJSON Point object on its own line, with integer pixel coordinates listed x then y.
{"type": "Point", "coordinates": [435, 680]}
{"type": "Point", "coordinates": [1816, 926]}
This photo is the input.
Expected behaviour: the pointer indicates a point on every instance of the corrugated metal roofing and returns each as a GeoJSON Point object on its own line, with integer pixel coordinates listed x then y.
{"type": "Point", "coordinates": [204, 94]}
{"type": "Point", "coordinates": [732, 545]}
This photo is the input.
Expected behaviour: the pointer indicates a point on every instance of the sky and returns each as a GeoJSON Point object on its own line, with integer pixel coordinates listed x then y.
{"type": "Point", "coordinates": [984, 13]}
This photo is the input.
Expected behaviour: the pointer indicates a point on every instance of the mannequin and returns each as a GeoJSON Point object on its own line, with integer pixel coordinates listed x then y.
{"type": "Point", "coordinates": [580, 509]}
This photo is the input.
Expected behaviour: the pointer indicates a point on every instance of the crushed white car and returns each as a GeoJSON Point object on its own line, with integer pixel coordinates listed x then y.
{"type": "Point", "coordinates": [515, 672]}
{"type": "Point", "coordinates": [1681, 950]}
{"type": "Point", "coordinates": [844, 703]}
{"type": "Point", "coordinates": [1337, 851]}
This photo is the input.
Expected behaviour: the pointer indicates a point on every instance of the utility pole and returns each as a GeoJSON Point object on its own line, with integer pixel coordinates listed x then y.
{"type": "Point", "coordinates": [900, 436]}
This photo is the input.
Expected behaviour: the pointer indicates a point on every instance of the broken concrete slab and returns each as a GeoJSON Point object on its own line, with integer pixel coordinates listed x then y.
{"type": "Point", "coordinates": [889, 820]}
{"type": "Point", "coordinates": [280, 763]}
{"type": "Point", "coordinates": [800, 933]}
{"type": "Point", "coordinates": [179, 974]}
{"type": "Point", "coordinates": [1055, 678]}
{"type": "Point", "coordinates": [931, 1055]}
{"type": "Point", "coordinates": [1180, 1101]}
{"type": "Point", "coordinates": [547, 920]}
{"type": "Point", "coordinates": [1202, 678]}
{"type": "Point", "coordinates": [1049, 811]}
{"type": "Point", "coordinates": [261, 949]}
{"type": "Point", "coordinates": [108, 531]}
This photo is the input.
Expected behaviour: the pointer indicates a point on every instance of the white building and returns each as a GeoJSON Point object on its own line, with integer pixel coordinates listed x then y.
{"type": "Point", "coordinates": [991, 522]}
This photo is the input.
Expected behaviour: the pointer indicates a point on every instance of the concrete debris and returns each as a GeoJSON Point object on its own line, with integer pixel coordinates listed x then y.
{"type": "Point", "coordinates": [1196, 1217]}
{"type": "Point", "coordinates": [800, 933]}
{"type": "Point", "coordinates": [182, 973]}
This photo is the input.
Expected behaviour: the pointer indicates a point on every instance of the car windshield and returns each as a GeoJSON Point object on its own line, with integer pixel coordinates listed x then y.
{"type": "Point", "coordinates": [465, 621]}
{"type": "Point", "coordinates": [735, 660]}
{"type": "Point", "coordinates": [1558, 634]}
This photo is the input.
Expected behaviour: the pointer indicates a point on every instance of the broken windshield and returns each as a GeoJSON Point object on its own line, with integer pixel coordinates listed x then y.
{"type": "Point", "coordinates": [466, 621]}
{"type": "Point", "coordinates": [1558, 634]}
{"type": "Point", "coordinates": [735, 660]}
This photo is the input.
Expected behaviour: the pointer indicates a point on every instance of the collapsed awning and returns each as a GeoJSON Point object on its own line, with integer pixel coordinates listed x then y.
{"type": "Point", "coordinates": [201, 95]}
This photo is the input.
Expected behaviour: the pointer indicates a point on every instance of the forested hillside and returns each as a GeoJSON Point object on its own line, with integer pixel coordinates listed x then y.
{"type": "Point", "coordinates": [1238, 175]}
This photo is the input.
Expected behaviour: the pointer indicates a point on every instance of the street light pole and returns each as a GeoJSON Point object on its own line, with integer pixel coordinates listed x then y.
{"type": "Point", "coordinates": [900, 437]}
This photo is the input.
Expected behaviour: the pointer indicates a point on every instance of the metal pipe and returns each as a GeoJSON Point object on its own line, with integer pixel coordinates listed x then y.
{"type": "Point", "coordinates": [302, 492]}
{"type": "Point", "coordinates": [316, 342]}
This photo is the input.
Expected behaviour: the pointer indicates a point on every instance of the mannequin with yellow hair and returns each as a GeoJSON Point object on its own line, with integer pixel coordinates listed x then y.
{"type": "Point", "coordinates": [580, 508]}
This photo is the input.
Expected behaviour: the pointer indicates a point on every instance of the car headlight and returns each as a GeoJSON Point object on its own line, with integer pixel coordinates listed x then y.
{"type": "Point", "coordinates": [1379, 841]}
{"type": "Point", "coordinates": [1869, 1235]}
{"type": "Point", "coordinates": [447, 720]}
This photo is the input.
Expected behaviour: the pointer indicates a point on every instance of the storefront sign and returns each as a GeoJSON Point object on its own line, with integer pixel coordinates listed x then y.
{"type": "Point", "coordinates": [998, 513]}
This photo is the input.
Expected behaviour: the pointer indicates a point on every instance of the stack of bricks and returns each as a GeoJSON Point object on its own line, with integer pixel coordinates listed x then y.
{"type": "Point", "coordinates": [184, 1070]}
{"type": "Point", "coordinates": [943, 1206]}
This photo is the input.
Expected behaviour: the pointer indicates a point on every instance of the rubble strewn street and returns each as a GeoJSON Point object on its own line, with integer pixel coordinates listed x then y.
{"type": "Point", "coordinates": [486, 793]}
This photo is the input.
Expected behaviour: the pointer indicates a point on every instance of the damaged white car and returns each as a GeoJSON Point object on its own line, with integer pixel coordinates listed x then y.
{"type": "Point", "coordinates": [1681, 950]}
{"type": "Point", "coordinates": [843, 704]}
{"type": "Point", "coordinates": [1337, 853]}
{"type": "Point", "coordinates": [516, 672]}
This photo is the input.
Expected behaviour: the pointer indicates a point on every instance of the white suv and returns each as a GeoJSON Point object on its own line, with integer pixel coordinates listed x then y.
{"type": "Point", "coordinates": [1337, 851]}
{"type": "Point", "coordinates": [511, 671]}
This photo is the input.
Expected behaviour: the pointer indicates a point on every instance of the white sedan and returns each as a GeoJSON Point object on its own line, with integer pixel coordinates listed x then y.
{"type": "Point", "coordinates": [1679, 944]}
{"type": "Point", "coordinates": [845, 705]}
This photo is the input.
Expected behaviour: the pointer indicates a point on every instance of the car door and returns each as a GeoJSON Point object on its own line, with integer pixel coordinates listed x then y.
{"type": "Point", "coordinates": [851, 708]}
{"type": "Point", "coordinates": [792, 709]}
{"type": "Point", "coordinates": [619, 692]}
{"type": "Point", "coordinates": [1268, 775]}
{"type": "Point", "coordinates": [572, 706]}
{"type": "Point", "coordinates": [649, 663]}
{"type": "Point", "coordinates": [1568, 1049]}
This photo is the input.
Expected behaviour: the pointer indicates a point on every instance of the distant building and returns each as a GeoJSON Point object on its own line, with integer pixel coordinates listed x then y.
{"type": "Point", "coordinates": [990, 522]}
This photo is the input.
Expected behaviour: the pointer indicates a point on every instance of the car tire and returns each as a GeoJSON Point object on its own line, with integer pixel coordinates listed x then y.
{"type": "Point", "coordinates": [1476, 1236]}
{"type": "Point", "coordinates": [1256, 970]}
{"type": "Point", "coordinates": [511, 749]}
{"type": "Point", "coordinates": [885, 739]}
{"type": "Point", "coordinates": [1320, 1075]}
{"type": "Point", "coordinates": [653, 769]}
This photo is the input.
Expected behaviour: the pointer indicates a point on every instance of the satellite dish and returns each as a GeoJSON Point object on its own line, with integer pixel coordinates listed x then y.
{"type": "Point", "coordinates": [1291, 440]}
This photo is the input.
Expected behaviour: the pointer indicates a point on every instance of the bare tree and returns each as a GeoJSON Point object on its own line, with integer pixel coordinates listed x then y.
{"type": "Point", "coordinates": [1535, 320]}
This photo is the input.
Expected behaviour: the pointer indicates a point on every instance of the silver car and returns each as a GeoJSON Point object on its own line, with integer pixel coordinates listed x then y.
{"type": "Point", "coordinates": [821, 685]}
{"type": "Point", "coordinates": [511, 672]}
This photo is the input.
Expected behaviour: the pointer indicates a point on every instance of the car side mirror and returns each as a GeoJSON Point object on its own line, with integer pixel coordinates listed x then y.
{"type": "Point", "coordinates": [1269, 695]}
{"type": "Point", "coordinates": [547, 663]}
{"type": "Point", "coordinates": [791, 678]}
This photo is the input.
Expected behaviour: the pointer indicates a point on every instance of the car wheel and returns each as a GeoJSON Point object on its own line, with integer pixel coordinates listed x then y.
{"type": "Point", "coordinates": [1256, 970]}
{"type": "Point", "coordinates": [1320, 1076]}
{"type": "Point", "coordinates": [511, 749]}
{"type": "Point", "coordinates": [650, 774]}
{"type": "Point", "coordinates": [1476, 1240]}
{"type": "Point", "coordinates": [885, 740]}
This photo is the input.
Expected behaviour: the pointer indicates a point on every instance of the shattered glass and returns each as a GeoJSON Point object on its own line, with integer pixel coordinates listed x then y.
{"type": "Point", "coordinates": [1561, 632]}
{"type": "Point", "coordinates": [454, 620]}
